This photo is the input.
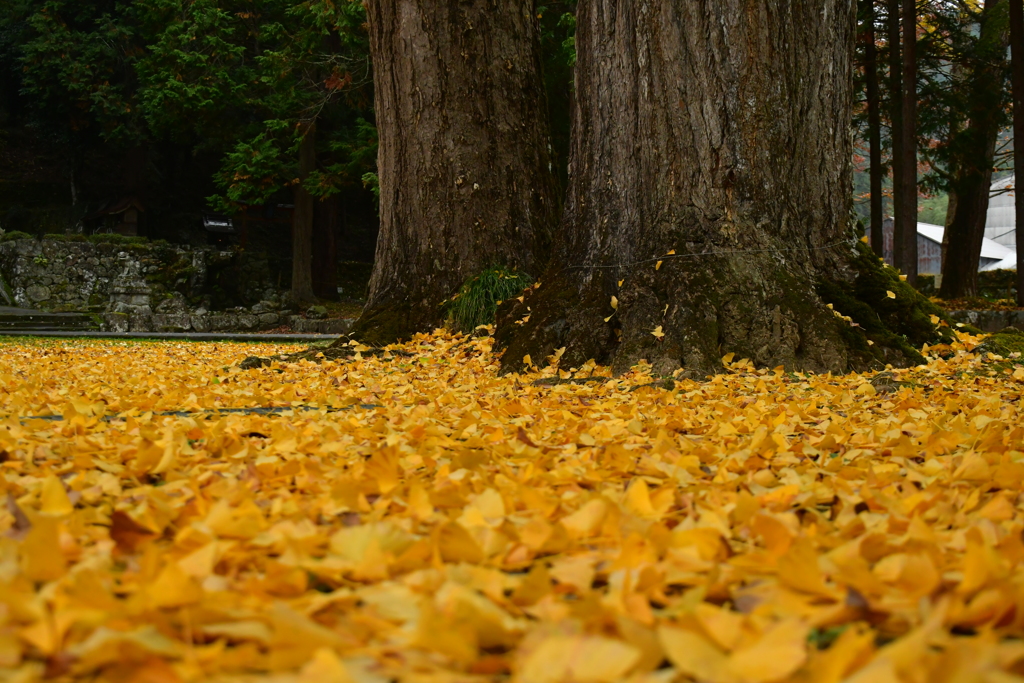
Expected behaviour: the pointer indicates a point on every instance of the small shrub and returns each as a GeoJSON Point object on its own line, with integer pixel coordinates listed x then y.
{"type": "Point", "coordinates": [61, 237]}
{"type": "Point", "coordinates": [15, 235]}
{"type": "Point", "coordinates": [114, 238]}
{"type": "Point", "coordinates": [476, 303]}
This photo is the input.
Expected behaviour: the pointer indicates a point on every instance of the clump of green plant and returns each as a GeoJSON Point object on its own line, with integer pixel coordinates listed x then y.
{"type": "Point", "coordinates": [15, 235]}
{"type": "Point", "coordinates": [61, 237]}
{"type": "Point", "coordinates": [476, 303]}
{"type": "Point", "coordinates": [114, 238]}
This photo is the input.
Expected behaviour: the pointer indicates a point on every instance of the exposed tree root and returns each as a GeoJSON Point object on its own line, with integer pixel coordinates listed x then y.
{"type": "Point", "coordinates": [340, 349]}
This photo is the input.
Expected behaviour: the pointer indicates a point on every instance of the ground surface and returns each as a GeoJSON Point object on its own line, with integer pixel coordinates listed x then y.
{"type": "Point", "coordinates": [434, 522]}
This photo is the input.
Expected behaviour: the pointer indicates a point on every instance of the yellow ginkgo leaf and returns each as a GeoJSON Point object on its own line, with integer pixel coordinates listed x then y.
{"type": "Point", "coordinates": [54, 498]}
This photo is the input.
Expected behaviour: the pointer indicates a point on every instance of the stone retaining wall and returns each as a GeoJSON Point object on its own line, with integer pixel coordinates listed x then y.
{"type": "Point", "coordinates": [220, 322]}
{"type": "Point", "coordinates": [990, 321]}
{"type": "Point", "coordinates": [150, 287]}
{"type": "Point", "coordinates": [61, 275]}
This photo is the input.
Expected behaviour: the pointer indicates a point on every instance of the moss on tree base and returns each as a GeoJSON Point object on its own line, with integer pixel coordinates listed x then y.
{"type": "Point", "coordinates": [393, 323]}
{"type": "Point", "coordinates": [689, 314]}
{"type": "Point", "coordinates": [900, 323]}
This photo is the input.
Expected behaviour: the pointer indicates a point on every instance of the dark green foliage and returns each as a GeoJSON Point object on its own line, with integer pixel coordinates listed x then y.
{"type": "Point", "coordinates": [15, 235]}
{"type": "Point", "coordinates": [206, 79]}
{"type": "Point", "coordinates": [476, 303]}
{"type": "Point", "coordinates": [247, 80]}
{"type": "Point", "coordinates": [903, 323]}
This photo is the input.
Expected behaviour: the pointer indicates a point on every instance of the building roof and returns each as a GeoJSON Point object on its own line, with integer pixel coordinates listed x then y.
{"type": "Point", "coordinates": [990, 250]}
{"type": "Point", "coordinates": [1001, 218]}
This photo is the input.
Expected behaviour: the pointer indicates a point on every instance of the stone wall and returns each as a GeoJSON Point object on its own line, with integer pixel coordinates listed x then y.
{"type": "Point", "coordinates": [990, 321]}
{"type": "Point", "coordinates": [61, 275]}
{"type": "Point", "coordinates": [151, 287]}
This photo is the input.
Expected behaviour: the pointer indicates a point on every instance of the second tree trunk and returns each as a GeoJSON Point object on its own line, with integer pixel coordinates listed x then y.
{"type": "Point", "coordinates": [465, 172]}
{"type": "Point", "coordinates": [708, 208]}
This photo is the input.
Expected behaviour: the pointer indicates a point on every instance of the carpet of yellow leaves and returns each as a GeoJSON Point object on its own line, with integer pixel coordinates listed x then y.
{"type": "Point", "coordinates": [432, 521]}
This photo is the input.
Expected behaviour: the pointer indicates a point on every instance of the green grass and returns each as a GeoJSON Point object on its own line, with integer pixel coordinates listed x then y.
{"type": "Point", "coordinates": [477, 301]}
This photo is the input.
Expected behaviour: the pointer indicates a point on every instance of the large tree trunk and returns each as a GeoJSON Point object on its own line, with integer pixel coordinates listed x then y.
{"type": "Point", "coordinates": [874, 125]}
{"type": "Point", "coordinates": [1017, 58]}
{"type": "Point", "coordinates": [973, 164]}
{"type": "Point", "coordinates": [465, 174]}
{"type": "Point", "coordinates": [709, 194]}
{"type": "Point", "coordinates": [905, 236]}
{"type": "Point", "coordinates": [302, 223]}
{"type": "Point", "coordinates": [895, 116]}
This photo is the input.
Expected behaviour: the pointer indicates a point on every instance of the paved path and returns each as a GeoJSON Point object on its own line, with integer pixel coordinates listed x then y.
{"type": "Point", "coordinates": [179, 336]}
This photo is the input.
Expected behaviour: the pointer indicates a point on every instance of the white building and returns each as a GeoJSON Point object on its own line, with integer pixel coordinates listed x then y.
{"type": "Point", "coordinates": [929, 249]}
{"type": "Point", "coordinates": [1000, 225]}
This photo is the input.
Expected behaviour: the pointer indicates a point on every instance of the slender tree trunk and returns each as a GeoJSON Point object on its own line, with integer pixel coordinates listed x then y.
{"type": "Point", "coordinates": [708, 207]}
{"type": "Point", "coordinates": [896, 117]}
{"type": "Point", "coordinates": [950, 212]}
{"type": "Point", "coordinates": [302, 223]}
{"type": "Point", "coordinates": [325, 248]}
{"type": "Point", "coordinates": [874, 125]}
{"type": "Point", "coordinates": [905, 238]}
{"type": "Point", "coordinates": [972, 168]}
{"type": "Point", "coordinates": [465, 172]}
{"type": "Point", "coordinates": [1017, 58]}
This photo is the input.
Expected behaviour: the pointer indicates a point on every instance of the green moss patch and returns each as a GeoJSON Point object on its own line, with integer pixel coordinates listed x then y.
{"type": "Point", "coordinates": [901, 321]}
{"type": "Point", "coordinates": [1007, 341]}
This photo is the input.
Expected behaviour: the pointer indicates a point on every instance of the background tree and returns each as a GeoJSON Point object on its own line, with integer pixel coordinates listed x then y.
{"type": "Point", "coordinates": [896, 127]}
{"type": "Point", "coordinates": [905, 235]}
{"type": "Point", "coordinates": [267, 80]}
{"type": "Point", "coordinates": [971, 150]}
{"type": "Point", "coordinates": [464, 163]}
{"type": "Point", "coordinates": [1016, 11]}
{"type": "Point", "coordinates": [697, 223]}
{"type": "Point", "coordinates": [79, 73]}
{"type": "Point", "coordinates": [874, 121]}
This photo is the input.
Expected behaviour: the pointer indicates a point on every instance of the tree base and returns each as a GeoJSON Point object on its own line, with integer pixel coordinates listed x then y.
{"type": "Point", "coordinates": [391, 324]}
{"type": "Point", "coordinates": [689, 313]}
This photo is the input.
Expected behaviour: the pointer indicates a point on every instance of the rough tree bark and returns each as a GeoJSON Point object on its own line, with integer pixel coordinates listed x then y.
{"type": "Point", "coordinates": [1017, 59]}
{"type": "Point", "coordinates": [905, 235]}
{"type": "Point", "coordinates": [302, 223]}
{"type": "Point", "coordinates": [465, 174]}
{"type": "Point", "coordinates": [874, 125]}
{"type": "Point", "coordinates": [974, 158]}
{"type": "Point", "coordinates": [709, 193]}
